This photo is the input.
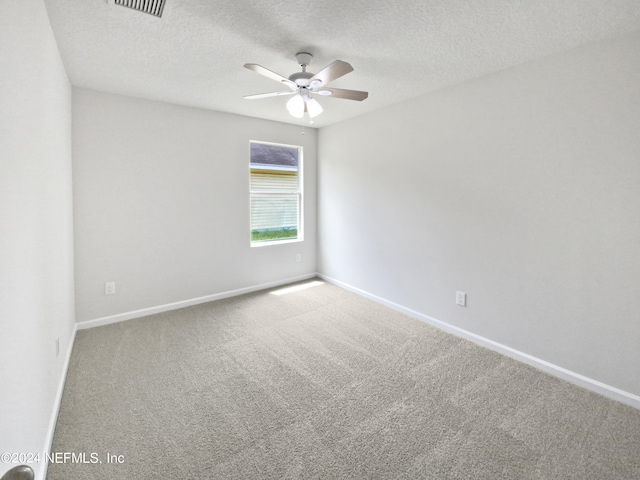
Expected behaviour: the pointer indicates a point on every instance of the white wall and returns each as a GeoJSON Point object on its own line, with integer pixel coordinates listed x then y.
{"type": "Point", "coordinates": [36, 233]}
{"type": "Point", "coordinates": [521, 188]}
{"type": "Point", "coordinates": [161, 204]}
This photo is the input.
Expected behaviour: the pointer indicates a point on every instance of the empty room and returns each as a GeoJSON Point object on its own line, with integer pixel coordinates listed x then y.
{"type": "Point", "coordinates": [320, 240]}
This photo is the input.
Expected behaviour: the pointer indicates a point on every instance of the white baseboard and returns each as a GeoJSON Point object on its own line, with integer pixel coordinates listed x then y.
{"type": "Point", "coordinates": [42, 475]}
{"type": "Point", "coordinates": [555, 370]}
{"type": "Point", "coordinates": [186, 303]}
{"type": "Point", "coordinates": [560, 372]}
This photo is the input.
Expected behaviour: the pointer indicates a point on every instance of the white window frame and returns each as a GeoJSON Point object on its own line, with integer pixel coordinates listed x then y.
{"type": "Point", "coordinates": [299, 192]}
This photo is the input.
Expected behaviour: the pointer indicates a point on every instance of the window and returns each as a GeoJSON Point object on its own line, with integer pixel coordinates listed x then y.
{"type": "Point", "coordinates": [276, 193]}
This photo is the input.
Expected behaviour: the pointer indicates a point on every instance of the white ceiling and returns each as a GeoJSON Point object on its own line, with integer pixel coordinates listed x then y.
{"type": "Point", "coordinates": [194, 54]}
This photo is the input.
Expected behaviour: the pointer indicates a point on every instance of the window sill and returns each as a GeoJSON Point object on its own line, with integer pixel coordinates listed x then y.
{"type": "Point", "coordinates": [275, 242]}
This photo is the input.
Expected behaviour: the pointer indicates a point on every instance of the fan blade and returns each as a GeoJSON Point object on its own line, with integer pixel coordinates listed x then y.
{"type": "Point", "coordinates": [272, 94]}
{"type": "Point", "coordinates": [331, 72]}
{"type": "Point", "coordinates": [269, 74]}
{"type": "Point", "coordinates": [348, 94]}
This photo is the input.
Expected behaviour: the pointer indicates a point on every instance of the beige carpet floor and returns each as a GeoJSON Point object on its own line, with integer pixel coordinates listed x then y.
{"type": "Point", "coordinates": [320, 383]}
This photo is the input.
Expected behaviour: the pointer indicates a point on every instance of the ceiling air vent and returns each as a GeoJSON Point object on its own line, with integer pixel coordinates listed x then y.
{"type": "Point", "coordinates": [152, 7]}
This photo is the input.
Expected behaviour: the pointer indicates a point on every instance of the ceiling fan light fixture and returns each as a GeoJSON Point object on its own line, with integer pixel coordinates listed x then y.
{"type": "Point", "coordinates": [296, 106]}
{"type": "Point", "coordinates": [313, 107]}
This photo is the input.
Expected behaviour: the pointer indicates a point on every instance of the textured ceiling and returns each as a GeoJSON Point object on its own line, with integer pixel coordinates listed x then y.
{"type": "Point", "coordinates": [194, 54]}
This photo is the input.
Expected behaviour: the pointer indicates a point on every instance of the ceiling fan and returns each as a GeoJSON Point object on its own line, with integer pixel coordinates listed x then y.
{"type": "Point", "coordinates": [305, 84]}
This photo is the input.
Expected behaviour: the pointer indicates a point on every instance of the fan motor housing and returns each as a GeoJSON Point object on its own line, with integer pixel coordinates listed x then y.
{"type": "Point", "coordinates": [301, 78]}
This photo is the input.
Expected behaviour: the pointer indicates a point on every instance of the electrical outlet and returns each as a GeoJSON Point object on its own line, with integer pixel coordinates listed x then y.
{"type": "Point", "coordinates": [110, 288]}
{"type": "Point", "coordinates": [298, 257]}
{"type": "Point", "coordinates": [461, 299]}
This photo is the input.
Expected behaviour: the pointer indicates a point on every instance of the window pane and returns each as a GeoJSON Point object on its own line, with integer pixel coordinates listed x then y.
{"type": "Point", "coordinates": [274, 217]}
{"type": "Point", "coordinates": [275, 197]}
